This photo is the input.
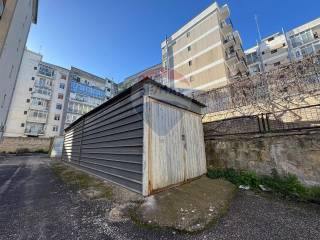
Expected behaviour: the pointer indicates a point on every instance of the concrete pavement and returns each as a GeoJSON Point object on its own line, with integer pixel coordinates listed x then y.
{"type": "Point", "coordinates": [34, 204]}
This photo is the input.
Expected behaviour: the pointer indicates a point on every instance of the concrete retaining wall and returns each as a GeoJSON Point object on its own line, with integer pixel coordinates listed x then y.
{"type": "Point", "coordinates": [18, 144]}
{"type": "Point", "coordinates": [298, 154]}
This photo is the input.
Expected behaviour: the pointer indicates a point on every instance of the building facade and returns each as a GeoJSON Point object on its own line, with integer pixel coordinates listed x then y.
{"type": "Point", "coordinates": [85, 92]}
{"type": "Point", "coordinates": [155, 72]}
{"type": "Point", "coordinates": [16, 17]}
{"type": "Point", "coordinates": [282, 48]}
{"type": "Point", "coordinates": [45, 95]}
{"type": "Point", "coordinates": [38, 99]}
{"type": "Point", "coordinates": [304, 40]}
{"type": "Point", "coordinates": [205, 53]}
{"type": "Point", "coordinates": [270, 53]}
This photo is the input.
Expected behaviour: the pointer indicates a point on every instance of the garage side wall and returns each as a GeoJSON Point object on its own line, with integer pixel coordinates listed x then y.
{"type": "Point", "coordinates": [109, 142]}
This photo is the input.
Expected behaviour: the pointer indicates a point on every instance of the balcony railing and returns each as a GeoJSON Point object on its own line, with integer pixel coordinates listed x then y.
{"type": "Point", "coordinates": [37, 119]}
{"type": "Point", "coordinates": [32, 132]}
{"type": "Point", "coordinates": [224, 12]}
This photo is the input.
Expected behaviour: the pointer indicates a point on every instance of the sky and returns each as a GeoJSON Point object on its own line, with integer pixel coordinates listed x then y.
{"type": "Point", "coordinates": [118, 38]}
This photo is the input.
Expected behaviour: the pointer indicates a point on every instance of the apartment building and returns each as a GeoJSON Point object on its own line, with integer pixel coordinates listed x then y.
{"type": "Point", "coordinates": [205, 53]}
{"type": "Point", "coordinates": [43, 93]}
{"type": "Point", "coordinates": [304, 40]}
{"type": "Point", "coordinates": [85, 92]}
{"type": "Point", "coordinates": [155, 72]}
{"type": "Point", "coordinates": [38, 99]}
{"type": "Point", "coordinates": [281, 48]}
{"type": "Point", "coordinates": [270, 53]}
{"type": "Point", "coordinates": [16, 17]}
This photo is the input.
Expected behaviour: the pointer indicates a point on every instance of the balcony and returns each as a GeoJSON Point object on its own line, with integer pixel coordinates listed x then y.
{"type": "Point", "coordinates": [34, 132]}
{"type": "Point", "coordinates": [39, 108]}
{"type": "Point", "coordinates": [224, 12]}
{"type": "Point", "coordinates": [237, 37]}
{"type": "Point", "coordinates": [231, 57]}
{"type": "Point", "coordinates": [41, 95]}
{"type": "Point", "coordinates": [229, 41]}
{"type": "Point", "coordinates": [37, 119]}
{"type": "Point", "coordinates": [242, 66]}
{"type": "Point", "coordinates": [226, 27]}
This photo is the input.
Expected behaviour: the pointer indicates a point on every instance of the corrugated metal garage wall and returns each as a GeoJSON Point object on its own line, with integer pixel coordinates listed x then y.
{"type": "Point", "coordinates": [109, 142]}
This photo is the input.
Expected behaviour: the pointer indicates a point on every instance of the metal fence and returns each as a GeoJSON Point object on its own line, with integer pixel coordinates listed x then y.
{"type": "Point", "coordinates": [307, 117]}
{"type": "Point", "coordinates": [294, 119]}
{"type": "Point", "coordinates": [233, 126]}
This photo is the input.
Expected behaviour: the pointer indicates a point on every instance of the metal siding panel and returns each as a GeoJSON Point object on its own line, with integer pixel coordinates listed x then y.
{"type": "Point", "coordinates": [109, 143]}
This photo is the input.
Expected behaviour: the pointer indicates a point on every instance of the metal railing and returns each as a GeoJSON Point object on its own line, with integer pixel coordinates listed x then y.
{"type": "Point", "coordinates": [295, 119]}
{"type": "Point", "coordinates": [307, 117]}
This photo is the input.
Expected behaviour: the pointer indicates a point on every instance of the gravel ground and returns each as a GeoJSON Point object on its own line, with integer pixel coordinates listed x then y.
{"type": "Point", "coordinates": [34, 204]}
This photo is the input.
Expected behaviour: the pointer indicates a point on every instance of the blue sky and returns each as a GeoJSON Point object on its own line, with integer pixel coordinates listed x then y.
{"type": "Point", "coordinates": [117, 38]}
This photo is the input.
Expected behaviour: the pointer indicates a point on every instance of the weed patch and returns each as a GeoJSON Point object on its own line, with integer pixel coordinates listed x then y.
{"type": "Point", "coordinates": [283, 186]}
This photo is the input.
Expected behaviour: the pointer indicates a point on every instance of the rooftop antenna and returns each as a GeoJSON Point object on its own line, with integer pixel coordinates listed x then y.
{"type": "Point", "coordinates": [167, 62]}
{"type": "Point", "coordinates": [40, 49]}
{"type": "Point", "coordinates": [288, 44]}
{"type": "Point", "coordinates": [258, 28]}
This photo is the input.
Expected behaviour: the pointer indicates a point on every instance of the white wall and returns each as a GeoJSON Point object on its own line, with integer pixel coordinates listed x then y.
{"type": "Point", "coordinates": [12, 53]}
{"type": "Point", "coordinates": [51, 122]}
{"type": "Point", "coordinates": [19, 103]}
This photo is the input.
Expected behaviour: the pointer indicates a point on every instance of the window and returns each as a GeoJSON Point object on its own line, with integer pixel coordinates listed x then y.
{"type": "Point", "coordinates": [274, 51]}
{"type": "Point", "coordinates": [28, 100]}
{"type": "Point", "coordinates": [59, 106]}
{"type": "Point", "coordinates": [30, 89]}
{"type": "Point", "coordinates": [108, 89]}
{"type": "Point", "coordinates": [277, 64]}
{"type": "Point", "coordinates": [262, 53]}
{"type": "Point", "coordinates": [35, 68]}
{"type": "Point", "coordinates": [25, 112]}
{"type": "Point", "coordinates": [62, 85]}
{"type": "Point", "coordinates": [60, 96]}
{"type": "Point", "coordinates": [284, 45]}
{"type": "Point", "coordinates": [32, 78]}
{"type": "Point", "coordinates": [191, 78]}
{"type": "Point", "coordinates": [22, 125]}
{"type": "Point", "coordinates": [57, 117]}
{"type": "Point", "coordinates": [63, 77]}
{"type": "Point", "coordinates": [189, 48]}
{"type": "Point", "coordinates": [188, 34]}
{"type": "Point", "coordinates": [190, 63]}
{"type": "Point", "coordinates": [55, 128]}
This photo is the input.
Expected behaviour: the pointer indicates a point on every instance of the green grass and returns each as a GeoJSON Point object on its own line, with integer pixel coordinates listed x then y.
{"type": "Point", "coordinates": [283, 186]}
{"type": "Point", "coordinates": [80, 181]}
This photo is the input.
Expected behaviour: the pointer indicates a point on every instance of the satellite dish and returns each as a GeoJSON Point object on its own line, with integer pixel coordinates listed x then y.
{"type": "Point", "coordinates": [1, 7]}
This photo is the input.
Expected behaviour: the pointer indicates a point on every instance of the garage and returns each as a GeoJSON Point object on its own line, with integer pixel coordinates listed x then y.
{"type": "Point", "coordinates": [146, 139]}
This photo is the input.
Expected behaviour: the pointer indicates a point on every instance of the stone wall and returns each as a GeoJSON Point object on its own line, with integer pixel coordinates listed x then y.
{"type": "Point", "coordinates": [18, 144]}
{"type": "Point", "coordinates": [296, 153]}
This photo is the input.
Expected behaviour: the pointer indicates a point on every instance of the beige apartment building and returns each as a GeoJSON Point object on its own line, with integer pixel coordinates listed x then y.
{"type": "Point", "coordinates": [155, 72]}
{"type": "Point", "coordinates": [205, 53]}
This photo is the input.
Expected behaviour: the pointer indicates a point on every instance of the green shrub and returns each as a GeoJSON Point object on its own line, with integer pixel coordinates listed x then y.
{"type": "Point", "coordinates": [313, 194]}
{"type": "Point", "coordinates": [284, 186]}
